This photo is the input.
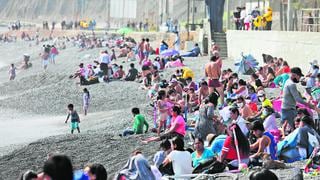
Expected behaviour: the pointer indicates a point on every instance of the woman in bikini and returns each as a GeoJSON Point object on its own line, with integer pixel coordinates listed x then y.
{"type": "Point", "coordinates": [162, 111]}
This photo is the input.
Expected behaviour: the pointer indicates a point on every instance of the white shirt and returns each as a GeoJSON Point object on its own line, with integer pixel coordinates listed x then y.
{"type": "Point", "coordinates": [242, 124]}
{"type": "Point", "coordinates": [243, 14]}
{"type": "Point", "coordinates": [181, 163]}
{"type": "Point", "coordinates": [270, 123]}
{"type": "Point", "coordinates": [104, 58]}
{"type": "Point", "coordinates": [156, 63]}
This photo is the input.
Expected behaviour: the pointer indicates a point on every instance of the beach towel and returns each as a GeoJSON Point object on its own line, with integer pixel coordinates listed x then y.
{"type": "Point", "coordinates": [277, 103]}
{"type": "Point", "coordinates": [137, 168]}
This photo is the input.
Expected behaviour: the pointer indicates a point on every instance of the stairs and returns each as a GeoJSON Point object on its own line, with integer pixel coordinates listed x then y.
{"type": "Point", "coordinates": [221, 40]}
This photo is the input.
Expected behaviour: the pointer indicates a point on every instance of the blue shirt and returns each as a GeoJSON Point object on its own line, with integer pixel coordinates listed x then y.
{"type": "Point", "coordinates": [159, 158]}
{"type": "Point", "coordinates": [281, 80]}
{"type": "Point", "coordinates": [206, 155]}
{"type": "Point", "coordinates": [196, 50]}
{"type": "Point", "coordinates": [217, 144]}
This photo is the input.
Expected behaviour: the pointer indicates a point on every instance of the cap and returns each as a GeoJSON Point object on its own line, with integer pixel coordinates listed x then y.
{"type": "Point", "coordinates": [297, 71]}
{"type": "Point", "coordinates": [261, 93]}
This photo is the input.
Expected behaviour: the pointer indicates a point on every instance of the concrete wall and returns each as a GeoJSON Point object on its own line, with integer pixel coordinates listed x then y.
{"type": "Point", "coordinates": [298, 48]}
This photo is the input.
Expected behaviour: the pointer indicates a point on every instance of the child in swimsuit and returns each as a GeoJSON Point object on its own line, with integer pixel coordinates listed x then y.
{"type": "Point", "coordinates": [75, 119]}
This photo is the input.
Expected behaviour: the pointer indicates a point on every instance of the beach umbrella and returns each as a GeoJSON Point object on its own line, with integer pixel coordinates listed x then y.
{"type": "Point", "coordinates": [246, 65]}
{"type": "Point", "coordinates": [124, 31]}
{"type": "Point", "coordinates": [169, 52]}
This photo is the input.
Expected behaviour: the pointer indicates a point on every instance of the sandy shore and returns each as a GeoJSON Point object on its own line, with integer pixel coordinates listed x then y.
{"type": "Point", "coordinates": [33, 110]}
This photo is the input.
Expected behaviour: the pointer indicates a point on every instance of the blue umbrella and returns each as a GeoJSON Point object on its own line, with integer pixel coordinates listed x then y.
{"type": "Point", "coordinates": [246, 65]}
{"type": "Point", "coordinates": [169, 52]}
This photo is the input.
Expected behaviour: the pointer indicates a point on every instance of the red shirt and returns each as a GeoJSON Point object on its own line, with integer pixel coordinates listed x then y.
{"type": "Point", "coordinates": [230, 150]}
{"type": "Point", "coordinates": [253, 106]}
{"type": "Point", "coordinates": [286, 69]}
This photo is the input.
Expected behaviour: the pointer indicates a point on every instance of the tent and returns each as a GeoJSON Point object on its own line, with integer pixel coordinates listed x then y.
{"type": "Point", "coordinates": [246, 65]}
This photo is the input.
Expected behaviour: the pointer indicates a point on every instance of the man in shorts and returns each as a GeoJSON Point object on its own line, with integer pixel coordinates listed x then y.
{"type": "Point", "coordinates": [213, 73]}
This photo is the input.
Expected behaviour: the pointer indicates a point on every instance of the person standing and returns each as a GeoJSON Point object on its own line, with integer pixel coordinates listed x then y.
{"type": "Point", "coordinates": [177, 42]}
{"type": "Point", "coordinates": [45, 56]}
{"type": "Point", "coordinates": [53, 53]}
{"type": "Point", "coordinates": [141, 50]}
{"type": "Point", "coordinates": [12, 72]}
{"type": "Point", "coordinates": [213, 73]}
{"type": "Point", "coordinates": [255, 14]}
{"type": "Point", "coordinates": [268, 18]}
{"type": "Point", "coordinates": [75, 119]}
{"type": "Point", "coordinates": [243, 15]}
{"type": "Point", "coordinates": [147, 49]}
{"type": "Point", "coordinates": [291, 96]}
{"type": "Point", "coordinates": [104, 64]}
{"type": "Point", "coordinates": [236, 16]}
{"type": "Point", "coordinates": [85, 99]}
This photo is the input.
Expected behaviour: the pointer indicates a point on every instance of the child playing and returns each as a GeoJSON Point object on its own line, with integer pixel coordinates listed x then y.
{"type": "Point", "coordinates": [75, 119]}
{"type": "Point", "coordinates": [139, 123]}
{"type": "Point", "coordinates": [86, 99]}
{"type": "Point", "coordinates": [12, 72]}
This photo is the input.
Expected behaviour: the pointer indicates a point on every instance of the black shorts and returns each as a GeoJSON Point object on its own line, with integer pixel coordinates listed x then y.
{"type": "Point", "coordinates": [104, 68]}
{"type": "Point", "coordinates": [170, 136]}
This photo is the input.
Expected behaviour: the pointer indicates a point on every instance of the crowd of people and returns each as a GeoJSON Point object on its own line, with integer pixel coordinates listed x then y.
{"type": "Point", "coordinates": [231, 121]}
{"type": "Point", "coordinates": [255, 20]}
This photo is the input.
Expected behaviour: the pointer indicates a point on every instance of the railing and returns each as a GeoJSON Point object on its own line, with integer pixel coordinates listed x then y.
{"type": "Point", "coordinates": [310, 20]}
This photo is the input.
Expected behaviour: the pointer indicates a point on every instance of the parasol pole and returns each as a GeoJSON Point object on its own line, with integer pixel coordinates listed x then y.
{"type": "Point", "coordinates": [236, 144]}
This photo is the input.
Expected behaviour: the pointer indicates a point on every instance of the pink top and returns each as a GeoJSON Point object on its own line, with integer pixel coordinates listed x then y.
{"type": "Point", "coordinates": [54, 51]}
{"type": "Point", "coordinates": [181, 125]}
{"type": "Point", "coordinates": [82, 71]}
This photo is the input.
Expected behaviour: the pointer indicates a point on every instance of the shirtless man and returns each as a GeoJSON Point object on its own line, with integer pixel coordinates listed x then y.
{"type": "Point", "coordinates": [203, 91]}
{"type": "Point", "coordinates": [213, 73]}
{"type": "Point", "coordinates": [141, 50]}
{"type": "Point", "coordinates": [176, 86]}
